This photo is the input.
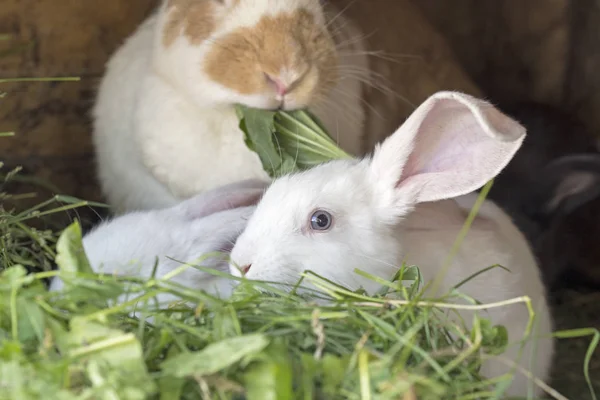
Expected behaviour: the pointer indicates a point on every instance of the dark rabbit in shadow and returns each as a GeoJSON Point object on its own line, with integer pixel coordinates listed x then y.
{"type": "Point", "coordinates": [551, 188]}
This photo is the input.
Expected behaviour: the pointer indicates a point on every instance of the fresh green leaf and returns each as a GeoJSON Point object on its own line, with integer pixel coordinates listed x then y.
{"type": "Point", "coordinates": [287, 142]}
{"type": "Point", "coordinates": [114, 359]}
{"type": "Point", "coordinates": [215, 357]}
{"type": "Point", "coordinates": [71, 257]}
{"type": "Point", "coordinates": [271, 377]}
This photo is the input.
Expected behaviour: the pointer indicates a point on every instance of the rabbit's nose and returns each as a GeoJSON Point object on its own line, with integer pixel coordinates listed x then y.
{"type": "Point", "coordinates": [246, 268]}
{"type": "Point", "coordinates": [280, 86]}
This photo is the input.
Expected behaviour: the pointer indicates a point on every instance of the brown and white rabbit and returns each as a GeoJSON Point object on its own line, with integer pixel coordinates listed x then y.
{"type": "Point", "coordinates": [165, 126]}
{"type": "Point", "coordinates": [408, 202]}
{"type": "Point", "coordinates": [551, 188]}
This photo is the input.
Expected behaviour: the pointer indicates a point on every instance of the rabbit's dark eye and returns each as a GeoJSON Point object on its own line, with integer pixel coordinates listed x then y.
{"type": "Point", "coordinates": [321, 220]}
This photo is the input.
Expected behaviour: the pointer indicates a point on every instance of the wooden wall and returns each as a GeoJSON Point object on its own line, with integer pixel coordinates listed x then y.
{"type": "Point", "coordinates": [51, 120]}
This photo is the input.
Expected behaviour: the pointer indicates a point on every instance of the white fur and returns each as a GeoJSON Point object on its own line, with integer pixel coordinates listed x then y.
{"type": "Point", "coordinates": [189, 232]}
{"type": "Point", "coordinates": [163, 131]}
{"type": "Point", "coordinates": [408, 203]}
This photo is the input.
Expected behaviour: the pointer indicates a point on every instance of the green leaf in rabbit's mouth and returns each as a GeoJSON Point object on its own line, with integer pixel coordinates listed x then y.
{"type": "Point", "coordinates": [287, 141]}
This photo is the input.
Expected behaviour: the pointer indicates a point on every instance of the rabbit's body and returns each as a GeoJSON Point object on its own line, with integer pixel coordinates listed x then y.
{"type": "Point", "coordinates": [194, 231]}
{"type": "Point", "coordinates": [165, 127]}
{"type": "Point", "coordinates": [493, 239]}
{"type": "Point", "coordinates": [429, 238]}
{"type": "Point", "coordinates": [408, 202]}
{"type": "Point", "coordinates": [165, 133]}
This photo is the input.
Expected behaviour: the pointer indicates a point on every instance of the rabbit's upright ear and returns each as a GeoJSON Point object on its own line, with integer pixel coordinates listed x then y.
{"type": "Point", "coordinates": [235, 195]}
{"type": "Point", "coordinates": [451, 145]}
{"type": "Point", "coordinates": [566, 184]}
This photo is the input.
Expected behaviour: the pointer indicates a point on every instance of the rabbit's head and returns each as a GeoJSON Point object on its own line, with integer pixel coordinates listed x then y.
{"type": "Point", "coordinates": [262, 53]}
{"type": "Point", "coordinates": [347, 215]}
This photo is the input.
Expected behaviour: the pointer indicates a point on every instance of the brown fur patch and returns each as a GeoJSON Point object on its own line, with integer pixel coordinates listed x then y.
{"type": "Point", "coordinates": [293, 41]}
{"type": "Point", "coordinates": [195, 17]}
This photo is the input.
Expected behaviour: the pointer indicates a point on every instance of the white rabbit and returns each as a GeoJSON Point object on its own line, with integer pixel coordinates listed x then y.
{"type": "Point", "coordinates": [408, 202]}
{"type": "Point", "coordinates": [165, 126]}
{"type": "Point", "coordinates": [208, 223]}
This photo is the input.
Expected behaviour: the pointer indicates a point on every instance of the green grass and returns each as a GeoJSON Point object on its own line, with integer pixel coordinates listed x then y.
{"type": "Point", "coordinates": [82, 343]}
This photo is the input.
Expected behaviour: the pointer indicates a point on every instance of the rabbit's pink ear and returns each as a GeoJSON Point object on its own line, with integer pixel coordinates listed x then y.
{"type": "Point", "coordinates": [235, 195]}
{"type": "Point", "coordinates": [451, 145]}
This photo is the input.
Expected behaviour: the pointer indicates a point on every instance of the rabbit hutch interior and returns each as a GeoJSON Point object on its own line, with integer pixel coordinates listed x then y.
{"type": "Point", "coordinates": [110, 108]}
